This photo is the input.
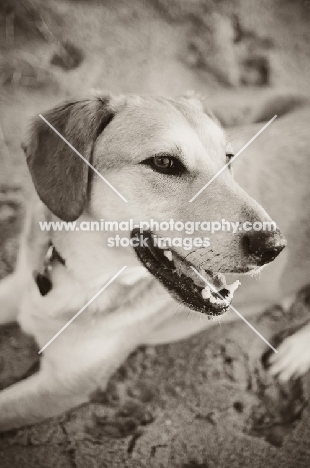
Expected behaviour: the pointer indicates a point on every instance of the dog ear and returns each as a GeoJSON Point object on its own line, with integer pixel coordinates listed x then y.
{"type": "Point", "coordinates": [59, 174]}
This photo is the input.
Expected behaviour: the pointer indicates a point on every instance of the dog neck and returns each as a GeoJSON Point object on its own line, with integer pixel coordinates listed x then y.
{"type": "Point", "coordinates": [91, 261]}
{"type": "Point", "coordinates": [88, 262]}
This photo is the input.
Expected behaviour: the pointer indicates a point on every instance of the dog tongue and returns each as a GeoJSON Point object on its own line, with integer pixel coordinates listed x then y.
{"type": "Point", "coordinates": [219, 281]}
{"type": "Point", "coordinates": [184, 267]}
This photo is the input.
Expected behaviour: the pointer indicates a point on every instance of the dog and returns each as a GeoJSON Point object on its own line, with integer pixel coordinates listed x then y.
{"type": "Point", "coordinates": [158, 153]}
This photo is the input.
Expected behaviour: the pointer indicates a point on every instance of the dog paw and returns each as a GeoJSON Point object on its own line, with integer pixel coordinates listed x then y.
{"type": "Point", "coordinates": [293, 357]}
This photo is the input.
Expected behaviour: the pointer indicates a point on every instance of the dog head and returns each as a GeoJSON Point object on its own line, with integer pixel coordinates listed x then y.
{"type": "Point", "coordinates": [157, 153]}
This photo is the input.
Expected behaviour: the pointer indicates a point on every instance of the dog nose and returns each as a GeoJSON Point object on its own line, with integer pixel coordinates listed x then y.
{"type": "Point", "coordinates": [265, 246]}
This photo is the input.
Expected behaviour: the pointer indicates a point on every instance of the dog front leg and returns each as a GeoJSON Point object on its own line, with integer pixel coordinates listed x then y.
{"type": "Point", "coordinates": [79, 361]}
{"type": "Point", "coordinates": [293, 357]}
{"type": "Point", "coordinates": [70, 372]}
{"type": "Point", "coordinates": [34, 399]}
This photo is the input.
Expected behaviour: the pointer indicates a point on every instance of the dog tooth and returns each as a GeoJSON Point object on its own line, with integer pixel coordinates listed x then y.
{"type": "Point", "coordinates": [168, 254]}
{"type": "Point", "coordinates": [206, 293]}
{"type": "Point", "coordinates": [232, 287]}
{"type": "Point", "coordinates": [215, 300]}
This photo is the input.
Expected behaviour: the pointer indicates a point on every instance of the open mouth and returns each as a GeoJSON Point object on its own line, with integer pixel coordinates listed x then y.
{"type": "Point", "coordinates": [181, 280]}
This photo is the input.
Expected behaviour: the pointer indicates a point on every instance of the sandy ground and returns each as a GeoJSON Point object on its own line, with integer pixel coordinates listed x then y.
{"type": "Point", "coordinates": [186, 405]}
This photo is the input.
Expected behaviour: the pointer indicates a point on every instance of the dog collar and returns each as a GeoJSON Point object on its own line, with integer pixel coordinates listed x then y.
{"type": "Point", "coordinates": [43, 277]}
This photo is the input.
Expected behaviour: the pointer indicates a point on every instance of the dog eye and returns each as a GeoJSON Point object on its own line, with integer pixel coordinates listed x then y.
{"type": "Point", "coordinates": [165, 164]}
